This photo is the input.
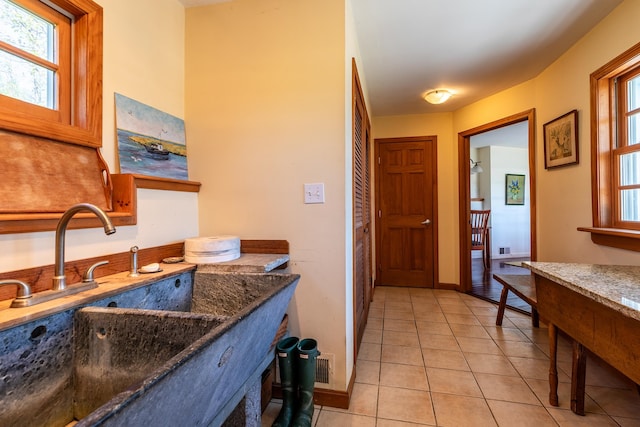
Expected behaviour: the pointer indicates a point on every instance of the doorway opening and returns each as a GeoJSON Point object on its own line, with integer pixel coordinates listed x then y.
{"type": "Point", "coordinates": [497, 177]}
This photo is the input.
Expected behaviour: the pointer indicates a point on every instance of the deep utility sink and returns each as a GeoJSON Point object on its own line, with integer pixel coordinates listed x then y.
{"type": "Point", "coordinates": [115, 348]}
{"type": "Point", "coordinates": [147, 367]}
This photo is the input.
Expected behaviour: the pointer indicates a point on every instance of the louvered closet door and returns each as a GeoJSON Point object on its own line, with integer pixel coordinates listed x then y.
{"type": "Point", "coordinates": [361, 214]}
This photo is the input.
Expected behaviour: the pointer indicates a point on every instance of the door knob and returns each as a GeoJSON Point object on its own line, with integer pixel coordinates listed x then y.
{"type": "Point", "coordinates": [426, 222]}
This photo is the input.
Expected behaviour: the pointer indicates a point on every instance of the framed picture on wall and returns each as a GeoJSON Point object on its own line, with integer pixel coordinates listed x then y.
{"type": "Point", "coordinates": [561, 141]}
{"type": "Point", "coordinates": [514, 189]}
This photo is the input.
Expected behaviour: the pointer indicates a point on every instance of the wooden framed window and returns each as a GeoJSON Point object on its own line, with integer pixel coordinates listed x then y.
{"type": "Point", "coordinates": [51, 69]}
{"type": "Point", "coordinates": [615, 152]}
{"type": "Point", "coordinates": [35, 59]}
{"type": "Point", "coordinates": [626, 152]}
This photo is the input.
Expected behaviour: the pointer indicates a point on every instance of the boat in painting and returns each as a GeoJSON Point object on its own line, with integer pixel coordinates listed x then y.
{"type": "Point", "coordinates": [157, 151]}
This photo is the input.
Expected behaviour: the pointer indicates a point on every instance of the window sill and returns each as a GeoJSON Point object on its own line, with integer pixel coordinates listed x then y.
{"type": "Point", "coordinates": [614, 237]}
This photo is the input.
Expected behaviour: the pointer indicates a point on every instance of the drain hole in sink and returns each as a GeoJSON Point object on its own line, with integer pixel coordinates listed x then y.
{"type": "Point", "coordinates": [38, 332]}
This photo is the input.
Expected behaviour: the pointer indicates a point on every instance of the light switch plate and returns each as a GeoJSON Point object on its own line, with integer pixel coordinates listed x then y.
{"type": "Point", "coordinates": [314, 193]}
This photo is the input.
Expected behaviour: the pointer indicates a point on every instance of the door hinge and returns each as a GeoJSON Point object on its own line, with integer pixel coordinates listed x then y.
{"type": "Point", "coordinates": [378, 160]}
{"type": "Point", "coordinates": [379, 214]}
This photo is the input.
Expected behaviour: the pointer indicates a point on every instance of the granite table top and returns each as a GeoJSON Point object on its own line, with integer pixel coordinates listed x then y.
{"type": "Point", "coordinates": [615, 286]}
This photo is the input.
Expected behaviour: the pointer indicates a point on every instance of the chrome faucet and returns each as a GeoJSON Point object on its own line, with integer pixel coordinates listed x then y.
{"type": "Point", "coordinates": [59, 279]}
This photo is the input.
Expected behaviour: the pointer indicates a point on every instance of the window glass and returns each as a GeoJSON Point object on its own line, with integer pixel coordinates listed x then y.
{"type": "Point", "coordinates": [630, 169]}
{"type": "Point", "coordinates": [28, 62]}
{"type": "Point", "coordinates": [25, 30]}
{"type": "Point", "coordinates": [633, 104]}
{"type": "Point", "coordinates": [630, 205]}
{"type": "Point", "coordinates": [26, 81]}
{"type": "Point", "coordinates": [633, 92]}
{"type": "Point", "coordinates": [633, 129]}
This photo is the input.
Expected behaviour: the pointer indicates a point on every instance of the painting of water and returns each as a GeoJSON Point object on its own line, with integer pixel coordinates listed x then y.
{"type": "Point", "coordinates": [150, 142]}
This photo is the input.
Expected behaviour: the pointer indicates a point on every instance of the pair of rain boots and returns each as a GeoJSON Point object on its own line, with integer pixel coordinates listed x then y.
{"type": "Point", "coordinates": [297, 363]}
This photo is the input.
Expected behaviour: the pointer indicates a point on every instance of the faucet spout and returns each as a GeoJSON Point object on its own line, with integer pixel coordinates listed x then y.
{"type": "Point", "coordinates": [59, 279]}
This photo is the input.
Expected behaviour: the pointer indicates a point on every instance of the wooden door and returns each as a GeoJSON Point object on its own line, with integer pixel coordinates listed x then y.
{"type": "Point", "coordinates": [406, 210]}
{"type": "Point", "coordinates": [361, 210]}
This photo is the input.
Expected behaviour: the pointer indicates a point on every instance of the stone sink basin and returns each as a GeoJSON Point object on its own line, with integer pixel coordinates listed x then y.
{"type": "Point", "coordinates": [143, 367]}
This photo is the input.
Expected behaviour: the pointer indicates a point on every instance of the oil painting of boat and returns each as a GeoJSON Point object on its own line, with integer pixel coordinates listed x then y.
{"type": "Point", "coordinates": [150, 142]}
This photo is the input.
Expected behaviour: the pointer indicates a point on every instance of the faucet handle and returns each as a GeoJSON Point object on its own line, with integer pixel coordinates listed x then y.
{"type": "Point", "coordinates": [24, 292]}
{"type": "Point", "coordinates": [88, 276]}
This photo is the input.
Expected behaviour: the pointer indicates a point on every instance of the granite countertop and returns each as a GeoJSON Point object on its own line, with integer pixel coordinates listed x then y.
{"type": "Point", "coordinates": [616, 286]}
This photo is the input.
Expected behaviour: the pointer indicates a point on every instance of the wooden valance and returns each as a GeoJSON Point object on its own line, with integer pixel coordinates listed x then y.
{"type": "Point", "coordinates": [40, 175]}
{"type": "Point", "coordinates": [40, 178]}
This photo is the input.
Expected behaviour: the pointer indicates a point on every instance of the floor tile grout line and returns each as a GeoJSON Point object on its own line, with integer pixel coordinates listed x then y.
{"type": "Point", "coordinates": [528, 386]}
{"type": "Point", "coordinates": [473, 374]}
{"type": "Point", "coordinates": [531, 339]}
{"type": "Point", "coordinates": [522, 377]}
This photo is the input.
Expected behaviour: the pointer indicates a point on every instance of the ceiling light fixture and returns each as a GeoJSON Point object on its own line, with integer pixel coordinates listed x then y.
{"type": "Point", "coordinates": [475, 167]}
{"type": "Point", "coordinates": [437, 96]}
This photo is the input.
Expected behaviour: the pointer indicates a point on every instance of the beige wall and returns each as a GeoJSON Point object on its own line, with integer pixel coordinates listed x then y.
{"type": "Point", "coordinates": [561, 88]}
{"type": "Point", "coordinates": [265, 91]}
{"type": "Point", "coordinates": [143, 59]}
{"type": "Point", "coordinates": [563, 195]}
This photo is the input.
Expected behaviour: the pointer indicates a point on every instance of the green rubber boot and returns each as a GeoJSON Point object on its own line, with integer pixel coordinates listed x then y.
{"type": "Point", "coordinates": [286, 349]}
{"type": "Point", "coordinates": [307, 355]}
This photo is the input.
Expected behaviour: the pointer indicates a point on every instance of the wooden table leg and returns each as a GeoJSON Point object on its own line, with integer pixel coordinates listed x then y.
{"type": "Point", "coordinates": [502, 305]}
{"type": "Point", "coordinates": [535, 317]}
{"type": "Point", "coordinates": [578, 376]}
{"type": "Point", "coordinates": [487, 260]}
{"type": "Point", "coordinates": [553, 369]}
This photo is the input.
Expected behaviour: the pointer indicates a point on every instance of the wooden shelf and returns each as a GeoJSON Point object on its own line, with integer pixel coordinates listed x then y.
{"type": "Point", "coordinates": [155, 183]}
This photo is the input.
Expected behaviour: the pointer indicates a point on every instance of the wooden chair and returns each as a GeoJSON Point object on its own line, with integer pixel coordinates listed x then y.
{"type": "Point", "coordinates": [480, 234]}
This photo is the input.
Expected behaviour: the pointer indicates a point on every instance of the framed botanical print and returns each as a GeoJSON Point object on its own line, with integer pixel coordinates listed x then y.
{"type": "Point", "coordinates": [514, 189]}
{"type": "Point", "coordinates": [561, 141]}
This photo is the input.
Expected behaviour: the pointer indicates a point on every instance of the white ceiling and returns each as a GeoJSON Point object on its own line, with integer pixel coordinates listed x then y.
{"type": "Point", "coordinates": [473, 47]}
{"type": "Point", "coordinates": [516, 135]}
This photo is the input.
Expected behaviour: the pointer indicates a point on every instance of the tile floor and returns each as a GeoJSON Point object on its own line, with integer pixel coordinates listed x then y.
{"type": "Point", "coordinates": [435, 357]}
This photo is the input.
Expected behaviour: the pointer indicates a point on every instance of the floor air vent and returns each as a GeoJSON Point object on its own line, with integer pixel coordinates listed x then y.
{"type": "Point", "coordinates": [324, 370]}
